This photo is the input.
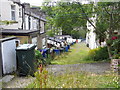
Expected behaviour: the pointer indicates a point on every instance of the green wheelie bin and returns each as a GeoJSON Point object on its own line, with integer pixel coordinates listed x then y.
{"type": "Point", "coordinates": [26, 59]}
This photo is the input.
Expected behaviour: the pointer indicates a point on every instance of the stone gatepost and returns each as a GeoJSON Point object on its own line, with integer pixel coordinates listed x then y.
{"type": "Point", "coordinates": [115, 65]}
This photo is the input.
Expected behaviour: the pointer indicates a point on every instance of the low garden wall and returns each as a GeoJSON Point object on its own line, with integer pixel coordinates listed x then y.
{"type": "Point", "coordinates": [115, 65]}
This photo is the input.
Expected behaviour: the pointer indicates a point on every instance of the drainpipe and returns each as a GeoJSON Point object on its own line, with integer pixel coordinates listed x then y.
{"type": "Point", "coordinates": [23, 17]}
{"type": "Point", "coordinates": [39, 26]}
{"type": "Point", "coordinates": [29, 22]}
{"type": "Point", "coordinates": [1, 69]}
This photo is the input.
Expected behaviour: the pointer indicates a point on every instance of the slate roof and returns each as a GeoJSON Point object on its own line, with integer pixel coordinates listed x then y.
{"type": "Point", "coordinates": [62, 36]}
{"type": "Point", "coordinates": [55, 39]}
{"type": "Point", "coordinates": [18, 32]}
{"type": "Point", "coordinates": [7, 39]}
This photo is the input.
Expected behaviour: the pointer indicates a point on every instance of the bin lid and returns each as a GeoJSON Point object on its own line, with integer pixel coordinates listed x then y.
{"type": "Point", "coordinates": [26, 46]}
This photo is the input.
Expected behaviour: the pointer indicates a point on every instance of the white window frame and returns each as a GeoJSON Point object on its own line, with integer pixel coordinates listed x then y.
{"type": "Point", "coordinates": [43, 42]}
{"type": "Point", "coordinates": [13, 13]}
{"type": "Point", "coordinates": [42, 24]}
{"type": "Point", "coordinates": [20, 12]}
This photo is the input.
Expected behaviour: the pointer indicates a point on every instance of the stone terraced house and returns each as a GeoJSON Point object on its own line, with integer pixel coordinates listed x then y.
{"type": "Point", "coordinates": [29, 22]}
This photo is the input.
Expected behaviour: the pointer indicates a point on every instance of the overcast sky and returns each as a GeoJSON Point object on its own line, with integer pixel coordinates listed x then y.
{"type": "Point", "coordinates": [33, 2]}
{"type": "Point", "coordinates": [39, 2]}
{"type": "Point", "coordinates": [36, 2]}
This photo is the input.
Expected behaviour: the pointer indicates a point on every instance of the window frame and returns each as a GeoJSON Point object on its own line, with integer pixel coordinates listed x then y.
{"type": "Point", "coordinates": [13, 12]}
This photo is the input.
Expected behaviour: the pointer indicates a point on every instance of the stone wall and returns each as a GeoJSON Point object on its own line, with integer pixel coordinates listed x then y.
{"type": "Point", "coordinates": [115, 65]}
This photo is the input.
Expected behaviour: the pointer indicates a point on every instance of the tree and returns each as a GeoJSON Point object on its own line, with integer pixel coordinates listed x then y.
{"type": "Point", "coordinates": [65, 16]}
{"type": "Point", "coordinates": [69, 16]}
{"type": "Point", "coordinates": [107, 21]}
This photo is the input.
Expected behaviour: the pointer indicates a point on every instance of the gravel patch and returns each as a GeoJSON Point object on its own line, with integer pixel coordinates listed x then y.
{"type": "Point", "coordinates": [7, 78]}
{"type": "Point", "coordinates": [19, 82]}
{"type": "Point", "coordinates": [97, 68]}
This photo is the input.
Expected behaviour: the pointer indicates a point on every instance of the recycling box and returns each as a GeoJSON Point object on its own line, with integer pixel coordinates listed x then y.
{"type": "Point", "coordinates": [57, 51]}
{"type": "Point", "coordinates": [45, 52]}
{"type": "Point", "coordinates": [26, 59]}
{"type": "Point", "coordinates": [66, 49]}
{"type": "Point", "coordinates": [68, 46]}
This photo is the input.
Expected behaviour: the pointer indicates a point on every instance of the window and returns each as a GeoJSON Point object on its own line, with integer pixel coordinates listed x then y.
{"type": "Point", "coordinates": [20, 14]}
{"type": "Point", "coordinates": [34, 24]}
{"type": "Point", "coordinates": [43, 42]}
{"type": "Point", "coordinates": [13, 12]}
{"type": "Point", "coordinates": [34, 40]}
{"type": "Point", "coordinates": [89, 25]}
{"type": "Point", "coordinates": [42, 27]}
{"type": "Point", "coordinates": [38, 27]}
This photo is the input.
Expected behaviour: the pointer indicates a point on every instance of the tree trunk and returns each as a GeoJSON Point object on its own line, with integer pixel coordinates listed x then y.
{"type": "Point", "coordinates": [109, 52]}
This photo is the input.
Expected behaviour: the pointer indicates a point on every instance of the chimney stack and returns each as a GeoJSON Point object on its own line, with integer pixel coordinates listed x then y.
{"type": "Point", "coordinates": [26, 5]}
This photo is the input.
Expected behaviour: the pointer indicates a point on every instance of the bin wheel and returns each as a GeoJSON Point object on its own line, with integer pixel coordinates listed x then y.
{"type": "Point", "coordinates": [17, 73]}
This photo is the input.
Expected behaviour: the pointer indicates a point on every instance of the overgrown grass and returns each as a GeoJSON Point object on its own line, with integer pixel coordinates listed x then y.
{"type": "Point", "coordinates": [76, 55]}
{"type": "Point", "coordinates": [80, 80]}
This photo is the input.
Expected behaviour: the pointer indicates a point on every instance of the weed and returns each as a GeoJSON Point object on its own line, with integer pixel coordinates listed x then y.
{"type": "Point", "coordinates": [41, 78]}
{"type": "Point", "coordinates": [78, 80]}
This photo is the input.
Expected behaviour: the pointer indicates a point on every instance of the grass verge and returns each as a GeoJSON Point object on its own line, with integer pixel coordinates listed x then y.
{"type": "Point", "coordinates": [76, 55]}
{"type": "Point", "coordinates": [79, 80]}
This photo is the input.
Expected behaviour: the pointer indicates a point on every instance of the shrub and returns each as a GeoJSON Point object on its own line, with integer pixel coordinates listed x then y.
{"type": "Point", "coordinates": [48, 59]}
{"type": "Point", "coordinates": [97, 54]}
{"type": "Point", "coordinates": [116, 48]}
{"type": "Point", "coordinates": [38, 55]}
{"type": "Point", "coordinates": [41, 60]}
